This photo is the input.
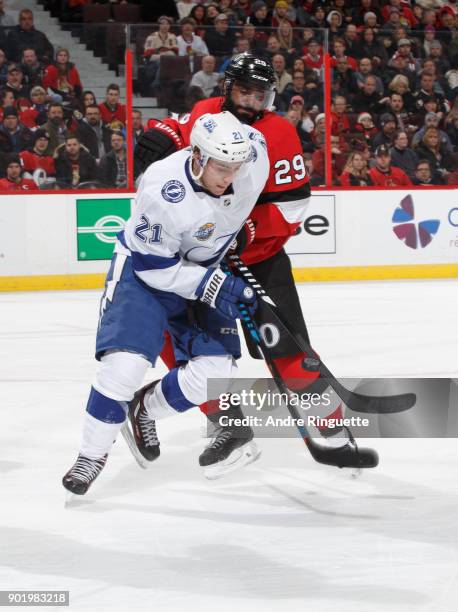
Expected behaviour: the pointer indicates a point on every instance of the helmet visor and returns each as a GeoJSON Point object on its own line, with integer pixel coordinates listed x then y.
{"type": "Point", "coordinates": [248, 97]}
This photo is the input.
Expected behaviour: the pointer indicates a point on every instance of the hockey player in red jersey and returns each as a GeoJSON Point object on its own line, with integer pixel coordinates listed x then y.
{"type": "Point", "coordinates": [249, 90]}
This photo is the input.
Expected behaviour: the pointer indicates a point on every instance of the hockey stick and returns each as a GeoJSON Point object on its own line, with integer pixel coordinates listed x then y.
{"type": "Point", "coordinates": [355, 401]}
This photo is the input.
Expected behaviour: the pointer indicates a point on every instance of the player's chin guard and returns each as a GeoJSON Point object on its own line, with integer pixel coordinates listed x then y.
{"type": "Point", "coordinates": [220, 137]}
{"type": "Point", "coordinates": [249, 70]}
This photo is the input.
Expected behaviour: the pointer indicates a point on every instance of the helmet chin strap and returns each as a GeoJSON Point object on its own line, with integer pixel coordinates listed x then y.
{"type": "Point", "coordinates": [201, 163]}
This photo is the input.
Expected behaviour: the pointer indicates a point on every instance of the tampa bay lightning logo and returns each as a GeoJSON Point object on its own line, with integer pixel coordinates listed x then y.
{"type": "Point", "coordinates": [173, 191]}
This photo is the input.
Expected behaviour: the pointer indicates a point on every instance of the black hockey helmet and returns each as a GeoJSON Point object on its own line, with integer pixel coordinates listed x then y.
{"type": "Point", "coordinates": [250, 70]}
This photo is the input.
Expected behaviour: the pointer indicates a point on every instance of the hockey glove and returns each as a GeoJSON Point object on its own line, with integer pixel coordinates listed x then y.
{"type": "Point", "coordinates": [244, 238]}
{"type": "Point", "coordinates": [225, 293]}
{"type": "Point", "coordinates": [158, 142]}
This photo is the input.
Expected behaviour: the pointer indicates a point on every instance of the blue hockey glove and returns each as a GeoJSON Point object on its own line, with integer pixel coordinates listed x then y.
{"type": "Point", "coordinates": [225, 293]}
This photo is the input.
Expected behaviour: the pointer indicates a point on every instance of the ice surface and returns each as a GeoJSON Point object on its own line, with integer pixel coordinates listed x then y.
{"type": "Point", "coordinates": [283, 534]}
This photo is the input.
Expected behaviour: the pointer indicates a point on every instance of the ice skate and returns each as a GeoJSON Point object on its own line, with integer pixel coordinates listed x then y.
{"type": "Point", "coordinates": [83, 473]}
{"type": "Point", "coordinates": [231, 447]}
{"type": "Point", "coordinates": [143, 428]}
{"type": "Point", "coordinates": [347, 456]}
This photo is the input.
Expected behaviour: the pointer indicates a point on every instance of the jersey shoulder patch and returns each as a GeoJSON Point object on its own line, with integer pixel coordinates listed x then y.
{"type": "Point", "coordinates": [173, 191]}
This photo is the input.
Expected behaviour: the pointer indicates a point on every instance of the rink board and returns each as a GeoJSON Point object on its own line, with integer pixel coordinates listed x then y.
{"type": "Point", "coordinates": [65, 241]}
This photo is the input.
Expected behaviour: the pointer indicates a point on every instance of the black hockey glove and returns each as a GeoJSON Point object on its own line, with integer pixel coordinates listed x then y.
{"type": "Point", "coordinates": [158, 142]}
{"type": "Point", "coordinates": [244, 238]}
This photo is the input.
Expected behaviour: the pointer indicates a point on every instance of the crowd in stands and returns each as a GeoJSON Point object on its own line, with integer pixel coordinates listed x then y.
{"type": "Point", "coordinates": [53, 134]}
{"type": "Point", "coordinates": [394, 77]}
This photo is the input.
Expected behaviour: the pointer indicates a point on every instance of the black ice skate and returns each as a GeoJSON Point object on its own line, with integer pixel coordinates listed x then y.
{"type": "Point", "coordinates": [347, 456]}
{"type": "Point", "coordinates": [231, 447]}
{"type": "Point", "coordinates": [143, 428]}
{"type": "Point", "coordinates": [79, 478]}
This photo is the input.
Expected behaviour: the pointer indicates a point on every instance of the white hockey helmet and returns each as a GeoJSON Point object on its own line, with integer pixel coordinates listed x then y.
{"type": "Point", "coordinates": [222, 137]}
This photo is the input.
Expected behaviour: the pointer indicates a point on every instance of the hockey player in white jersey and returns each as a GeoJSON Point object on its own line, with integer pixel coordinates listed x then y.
{"type": "Point", "coordinates": [189, 207]}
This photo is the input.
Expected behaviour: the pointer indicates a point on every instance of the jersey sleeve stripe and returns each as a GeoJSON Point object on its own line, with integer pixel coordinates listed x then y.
{"type": "Point", "coordinates": [286, 195]}
{"type": "Point", "coordinates": [143, 262]}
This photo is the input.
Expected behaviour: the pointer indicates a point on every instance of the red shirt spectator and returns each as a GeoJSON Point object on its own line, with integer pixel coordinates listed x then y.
{"type": "Point", "coordinates": [14, 180]}
{"type": "Point", "coordinates": [339, 54]}
{"type": "Point", "coordinates": [406, 15]}
{"type": "Point", "coordinates": [384, 174]}
{"type": "Point", "coordinates": [111, 110]}
{"type": "Point", "coordinates": [36, 158]}
{"type": "Point", "coordinates": [312, 57]}
{"type": "Point", "coordinates": [340, 121]}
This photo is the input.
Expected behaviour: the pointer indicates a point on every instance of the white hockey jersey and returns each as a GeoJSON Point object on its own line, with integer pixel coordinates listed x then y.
{"type": "Point", "coordinates": [178, 229]}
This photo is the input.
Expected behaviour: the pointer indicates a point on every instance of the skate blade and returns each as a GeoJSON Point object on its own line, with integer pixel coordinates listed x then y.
{"type": "Point", "coordinates": [130, 441]}
{"type": "Point", "coordinates": [240, 457]}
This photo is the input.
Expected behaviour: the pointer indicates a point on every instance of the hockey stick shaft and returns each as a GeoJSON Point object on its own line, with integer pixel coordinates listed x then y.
{"type": "Point", "coordinates": [355, 401]}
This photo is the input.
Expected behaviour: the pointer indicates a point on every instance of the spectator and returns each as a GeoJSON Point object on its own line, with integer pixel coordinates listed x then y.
{"type": "Point", "coordinates": [437, 55]}
{"type": "Point", "coordinates": [395, 106]}
{"type": "Point", "coordinates": [19, 137]}
{"type": "Point", "coordinates": [293, 116]}
{"type": "Point", "coordinates": [261, 19]}
{"type": "Point", "coordinates": [367, 99]}
{"type": "Point", "coordinates": [366, 127]}
{"type": "Point", "coordinates": [25, 36]}
{"type": "Point", "coordinates": [364, 70]}
{"type": "Point", "coordinates": [14, 180]}
{"type": "Point", "coordinates": [451, 126]}
{"type": "Point", "coordinates": [288, 43]}
{"type": "Point", "coordinates": [431, 148]}
{"type": "Point", "coordinates": [36, 114]}
{"type": "Point", "coordinates": [351, 39]}
{"type": "Point", "coordinates": [334, 19]}
{"type": "Point", "coordinates": [297, 103]}
{"type": "Point", "coordinates": [400, 85]}
{"type": "Point", "coordinates": [342, 78]}
{"type": "Point", "coordinates": [424, 176]}
{"type": "Point", "coordinates": [301, 87]}
{"type": "Point", "coordinates": [273, 48]}
{"type": "Point", "coordinates": [402, 156]}
{"type": "Point", "coordinates": [6, 99]}
{"type": "Point", "coordinates": [220, 40]}
{"type": "Point", "coordinates": [384, 174]}
{"type": "Point", "coordinates": [405, 50]}
{"type": "Point", "coordinates": [32, 68]}
{"type": "Point", "coordinates": [282, 78]}
{"type": "Point", "coordinates": [241, 46]}
{"type": "Point", "coordinates": [74, 164]}
{"type": "Point", "coordinates": [113, 165]}
{"type": "Point", "coordinates": [432, 120]}
{"type": "Point", "coordinates": [188, 42]}
{"type": "Point", "coordinates": [257, 41]}
{"type": "Point", "coordinates": [63, 78]}
{"type": "Point", "coordinates": [387, 132]}
{"type": "Point", "coordinates": [56, 127]}
{"type": "Point", "coordinates": [355, 172]}
{"type": "Point", "coordinates": [313, 57]}
{"type": "Point", "coordinates": [112, 111]}
{"type": "Point", "coordinates": [207, 78]}
{"type": "Point", "coordinates": [369, 46]}
{"type": "Point", "coordinates": [426, 90]}
{"type": "Point", "coordinates": [316, 180]}
{"type": "Point", "coordinates": [184, 8]}
{"type": "Point", "coordinates": [211, 12]}
{"type": "Point", "coordinates": [340, 121]}
{"type": "Point", "coordinates": [198, 15]}
{"type": "Point", "coordinates": [225, 6]}
{"type": "Point", "coordinates": [447, 25]}
{"type": "Point", "coordinates": [3, 68]}
{"type": "Point", "coordinates": [340, 53]}
{"type": "Point", "coordinates": [161, 42]}
{"type": "Point", "coordinates": [280, 13]}
{"type": "Point", "coordinates": [92, 134]}
{"type": "Point", "coordinates": [6, 19]}
{"type": "Point", "coordinates": [14, 82]}
{"type": "Point", "coordinates": [88, 98]}
{"type": "Point", "coordinates": [36, 158]}
{"type": "Point", "coordinates": [137, 127]}
{"type": "Point", "coordinates": [242, 10]}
